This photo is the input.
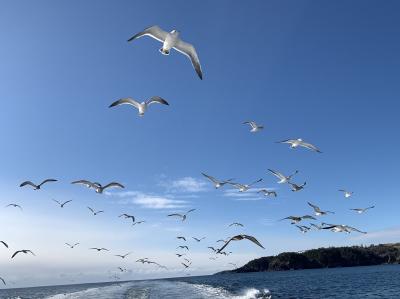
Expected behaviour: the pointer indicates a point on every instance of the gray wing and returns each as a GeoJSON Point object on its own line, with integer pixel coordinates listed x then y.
{"type": "Point", "coordinates": [83, 182]}
{"type": "Point", "coordinates": [212, 179]}
{"type": "Point", "coordinates": [47, 181]}
{"type": "Point", "coordinates": [156, 99]}
{"type": "Point", "coordinates": [316, 208]}
{"type": "Point", "coordinates": [252, 239]}
{"type": "Point", "coordinates": [310, 146]}
{"type": "Point", "coordinates": [190, 51]}
{"type": "Point", "coordinates": [286, 141]}
{"type": "Point", "coordinates": [127, 101]}
{"type": "Point", "coordinates": [277, 174]}
{"type": "Point", "coordinates": [113, 184]}
{"type": "Point", "coordinates": [28, 183]}
{"type": "Point", "coordinates": [154, 31]}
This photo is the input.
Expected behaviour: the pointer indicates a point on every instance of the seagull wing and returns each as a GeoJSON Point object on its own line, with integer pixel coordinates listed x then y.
{"type": "Point", "coordinates": [15, 253]}
{"type": "Point", "coordinates": [66, 202]}
{"type": "Point", "coordinates": [3, 280]}
{"type": "Point", "coordinates": [175, 215]}
{"type": "Point", "coordinates": [190, 51]}
{"type": "Point", "coordinates": [286, 141]}
{"type": "Point", "coordinates": [155, 100]}
{"type": "Point", "coordinates": [127, 101]}
{"type": "Point", "coordinates": [255, 182]}
{"type": "Point", "coordinates": [113, 184]}
{"type": "Point", "coordinates": [310, 146]}
{"type": "Point", "coordinates": [4, 243]}
{"type": "Point", "coordinates": [56, 201]}
{"type": "Point", "coordinates": [28, 183]}
{"type": "Point", "coordinates": [154, 31]}
{"type": "Point", "coordinates": [91, 209]}
{"type": "Point", "coordinates": [251, 123]}
{"type": "Point", "coordinates": [316, 208]}
{"type": "Point", "coordinates": [83, 182]}
{"type": "Point", "coordinates": [354, 229]}
{"type": "Point", "coordinates": [47, 181]}
{"type": "Point", "coordinates": [277, 174]}
{"type": "Point", "coordinates": [191, 210]}
{"type": "Point", "coordinates": [252, 239]}
{"type": "Point", "coordinates": [211, 178]}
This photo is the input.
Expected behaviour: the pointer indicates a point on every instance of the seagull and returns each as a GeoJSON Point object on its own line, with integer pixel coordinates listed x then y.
{"type": "Point", "coordinates": [123, 255]}
{"type": "Point", "coordinates": [14, 205]}
{"type": "Point", "coordinates": [254, 127]}
{"type": "Point", "coordinates": [299, 142]}
{"type": "Point", "coordinates": [179, 255]}
{"type": "Point", "coordinates": [244, 187]}
{"type": "Point", "coordinates": [37, 187]}
{"type": "Point", "coordinates": [122, 269]}
{"type": "Point", "coordinates": [347, 194]}
{"type": "Point", "coordinates": [303, 228]}
{"type": "Point", "coordinates": [296, 187]}
{"type": "Point", "coordinates": [99, 249]}
{"type": "Point", "coordinates": [360, 210]}
{"type": "Point", "coordinates": [283, 178]}
{"type": "Point", "coordinates": [144, 260]}
{"type": "Point", "coordinates": [186, 266]}
{"type": "Point", "coordinates": [171, 40]}
{"type": "Point", "coordinates": [239, 238]}
{"type": "Point", "coordinates": [188, 261]}
{"type": "Point", "coordinates": [95, 212]}
{"type": "Point", "coordinates": [296, 219]}
{"type": "Point", "coordinates": [198, 240]}
{"type": "Point", "coordinates": [4, 243]}
{"type": "Point", "coordinates": [141, 107]}
{"type": "Point", "coordinates": [217, 183]}
{"type": "Point", "coordinates": [127, 216]}
{"type": "Point", "coordinates": [338, 228]}
{"type": "Point", "coordinates": [268, 192]}
{"type": "Point", "coordinates": [138, 222]}
{"type": "Point", "coordinates": [71, 246]}
{"type": "Point", "coordinates": [183, 247]}
{"type": "Point", "coordinates": [318, 211]}
{"type": "Point", "coordinates": [97, 186]}
{"type": "Point", "coordinates": [2, 279]}
{"type": "Point", "coordinates": [183, 216]}
{"type": "Point", "coordinates": [62, 204]}
{"type": "Point", "coordinates": [181, 238]}
{"type": "Point", "coordinates": [26, 251]}
{"type": "Point", "coordinates": [236, 224]}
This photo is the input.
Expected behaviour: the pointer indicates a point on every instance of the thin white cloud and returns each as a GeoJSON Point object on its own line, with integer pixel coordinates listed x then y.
{"type": "Point", "coordinates": [151, 201]}
{"type": "Point", "coordinates": [248, 195]}
{"type": "Point", "coordinates": [386, 235]}
{"type": "Point", "coordinates": [185, 184]}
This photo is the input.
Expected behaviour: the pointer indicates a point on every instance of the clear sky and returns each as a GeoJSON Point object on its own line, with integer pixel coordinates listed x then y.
{"type": "Point", "coordinates": [324, 71]}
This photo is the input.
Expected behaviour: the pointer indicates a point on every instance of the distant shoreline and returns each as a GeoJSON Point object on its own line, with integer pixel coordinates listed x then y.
{"type": "Point", "coordinates": [332, 257]}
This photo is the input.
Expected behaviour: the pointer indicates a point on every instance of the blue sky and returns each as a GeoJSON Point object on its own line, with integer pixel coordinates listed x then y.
{"type": "Point", "coordinates": [323, 71]}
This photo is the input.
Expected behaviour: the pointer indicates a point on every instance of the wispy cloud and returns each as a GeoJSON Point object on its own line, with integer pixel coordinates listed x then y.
{"type": "Point", "coordinates": [151, 201]}
{"type": "Point", "coordinates": [385, 235]}
{"type": "Point", "coordinates": [242, 196]}
{"type": "Point", "coordinates": [185, 184]}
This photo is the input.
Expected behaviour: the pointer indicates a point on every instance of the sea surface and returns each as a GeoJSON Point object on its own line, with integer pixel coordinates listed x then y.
{"type": "Point", "coordinates": [344, 283]}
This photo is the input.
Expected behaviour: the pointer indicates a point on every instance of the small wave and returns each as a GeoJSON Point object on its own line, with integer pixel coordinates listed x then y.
{"type": "Point", "coordinates": [219, 292]}
{"type": "Point", "coordinates": [254, 294]}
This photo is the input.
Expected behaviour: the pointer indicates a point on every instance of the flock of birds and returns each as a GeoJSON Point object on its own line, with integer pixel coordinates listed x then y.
{"type": "Point", "coordinates": [172, 40]}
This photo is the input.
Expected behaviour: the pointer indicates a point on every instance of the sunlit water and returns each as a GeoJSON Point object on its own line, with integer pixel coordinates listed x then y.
{"type": "Point", "coordinates": [344, 283]}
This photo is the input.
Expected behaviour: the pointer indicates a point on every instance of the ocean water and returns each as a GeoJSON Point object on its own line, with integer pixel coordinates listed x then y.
{"type": "Point", "coordinates": [344, 283]}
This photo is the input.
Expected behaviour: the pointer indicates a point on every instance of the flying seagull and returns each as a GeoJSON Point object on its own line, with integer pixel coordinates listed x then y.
{"type": "Point", "coordinates": [99, 249]}
{"type": "Point", "coordinates": [37, 187]}
{"type": "Point", "coordinates": [95, 212]}
{"type": "Point", "coordinates": [186, 266]}
{"type": "Point", "coordinates": [4, 243]}
{"type": "Point", "coordinates": [183, 247]}
{"type": "Point", "coordinates": [71, 246]}
{"type": "Point", "coordinates": [339, 228]}
{"type": "Point", "coordinates": [296, 187]}
{"type": "Point", "coordinates": [197, 239]}
{"type": "Point", "coordinates": [236, 224]}
{"type": "Point", "coordinates": [217, 183]}
{"type": "Point", "coordinates": [122, 269]}
{"type": "Point", "coordinates": [294, 143]}
{"type": "Point", "coordinates": [362, 210]}
{"type": "Point", "coordinates": [141, 107]}
{"type": "Point", "coordinates": [138, 222]}
{"type": "Point", "coordinates": [281, 177]}
{"type": "Point", "coordinates": [181, 238]}
{"type": "Point", "coordinates": [127, 216]}
{"type": "Point", "coordinates": [244, 187]}
{"type": "Point", "coordinates": [97, 186]}
{"type": "Point", "coordinates": [14, 205]}
{"type": "Point", "coordinates": [171, 40]}
{"type": "Point", "coordinates": [179, 255]}
{"type": "Point", "coordinates": [318, 211]}
{"type": "Point", "coordinates": [182, 216]}
{"type": "Point", "coordinates": [296, 219]}
{"type": "Point", "coordinates": [254, 127]}
{"type": "Point", "coordinates": [62, 204]}
{"type": "Point", "coordinates": [303, 229]}
{"type": "Point", "coordinates": [346, 193]}
{"type": "Point", "coordinates": [26, 251]}
{"type": "Point", "coordinates": [123, 255]}
{"type": "Point", "coordinates": [239, 238]}
{"type": "Point", "coordinates": [267, 192]}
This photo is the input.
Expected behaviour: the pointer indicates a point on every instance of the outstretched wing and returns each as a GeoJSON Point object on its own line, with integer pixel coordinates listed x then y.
{"type": "Point", "coordinates": [126, 101]}
{"type": "Point", "coordinates": [277, 174]}
{"type": "Point", "coordinates": [316, 208]}
{"type": "Point", "coordinates": [310, 146]}
{"type": "Point", "coordinates": [156, 100]}
{"type": "Point", "coordinates": [47, 181]}
{"type": "Point", "coordinates": [28, 183]}
{"type": "Point", "coordinates": [154, 31]}
{"type": "Point", "coordinates": [190, 51]}
{"type": "Point", "coordinates": [252, 239]}
{"type": "Point", "coordinates": [113, 184]}
{"type": "Point", "coordinates": [211, 178]}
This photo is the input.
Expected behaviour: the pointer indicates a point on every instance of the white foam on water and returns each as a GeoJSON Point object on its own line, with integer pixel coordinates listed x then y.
{"type": "Point", "coordinates": [218, 292]}
{"type": "Point", "coordinates": [114, 291]}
